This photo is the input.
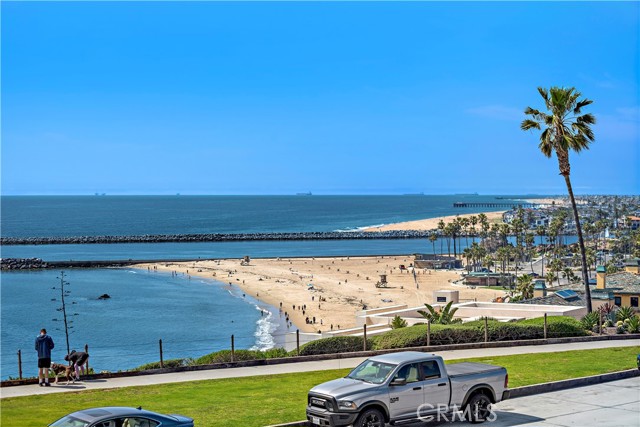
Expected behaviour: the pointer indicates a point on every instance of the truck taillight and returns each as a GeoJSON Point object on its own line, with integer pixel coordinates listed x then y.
{"type": "Point", "coordinates": [506, 381]}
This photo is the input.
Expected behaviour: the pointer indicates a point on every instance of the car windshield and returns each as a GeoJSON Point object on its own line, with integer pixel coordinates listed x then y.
{"type": "Point", "coordinates": [371, 372]}
{"type": "Point", "coordinates": [69, 421]}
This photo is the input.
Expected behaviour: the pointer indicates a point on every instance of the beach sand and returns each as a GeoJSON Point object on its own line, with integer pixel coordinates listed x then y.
{"type": "Point", "coordinates": [432, 223]}
{"type": "Point", "coordinates": [345, 284]}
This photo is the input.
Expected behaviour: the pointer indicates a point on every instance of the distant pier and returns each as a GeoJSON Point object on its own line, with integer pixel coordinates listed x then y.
{"type": "Point", "coordinates": [494, 205]}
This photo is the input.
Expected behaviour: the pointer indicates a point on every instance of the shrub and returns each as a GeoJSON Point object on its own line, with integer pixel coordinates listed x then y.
{"type": "Point", "coordinates": [634, 325]}
{"type": "Point", "coordinates": [398, 322]}
{"type": "Point", "coordinates": [590, 320]}
{"type": "Point", "coordinates": [171, 363]}
{"type": "Point", "coordinates": [559, 326]}
{"type": "Point", "coordinates": [224, 356]}
{"type": "Point", "coordinates": [624, 313]}
{"type": "Point", "coordinates": [275, 353]}
{"type": "Point", "coordinates": [333, 345]}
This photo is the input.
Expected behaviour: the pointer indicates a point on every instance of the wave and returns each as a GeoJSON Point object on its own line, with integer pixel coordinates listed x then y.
{"type": "Point", "coordinates": [265, 327]}
{"type": "Point", "coordinates": [356, 229]}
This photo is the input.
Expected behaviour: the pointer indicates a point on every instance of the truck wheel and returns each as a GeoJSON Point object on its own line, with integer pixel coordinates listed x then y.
{"type": "Point", "coordinates": [370, 418]}
{"type": "Point", "coordinates": [478, 409]}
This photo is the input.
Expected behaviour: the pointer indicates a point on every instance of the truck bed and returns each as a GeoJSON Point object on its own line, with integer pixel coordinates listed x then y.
{"type": "Point", "coordinates": [468, 368]}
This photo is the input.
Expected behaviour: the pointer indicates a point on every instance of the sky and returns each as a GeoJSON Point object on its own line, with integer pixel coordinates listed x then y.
{"type": "Point", "coordinates": [326, 97]}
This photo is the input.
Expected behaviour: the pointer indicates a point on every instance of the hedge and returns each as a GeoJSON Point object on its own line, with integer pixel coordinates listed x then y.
{"type": "Point", "coordinates": [333, 345]}
{"type": "Point", "coordinates": [224, 356]}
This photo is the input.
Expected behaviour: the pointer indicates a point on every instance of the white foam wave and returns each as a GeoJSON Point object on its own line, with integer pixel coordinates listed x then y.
{"type": "Point", "coordinates": [264, 330]}
{"type": "Point", "coordinates": [356, 229]}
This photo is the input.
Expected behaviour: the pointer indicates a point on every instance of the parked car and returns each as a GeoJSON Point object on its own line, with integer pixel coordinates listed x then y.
{"type": "Point", "coordinates": [406, 386]}
{"type": "Point", "coordinates": [121, 417]}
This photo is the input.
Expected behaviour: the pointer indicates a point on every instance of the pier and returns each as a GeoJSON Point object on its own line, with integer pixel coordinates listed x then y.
{"type": "Point", "coordinates": [494, 205]}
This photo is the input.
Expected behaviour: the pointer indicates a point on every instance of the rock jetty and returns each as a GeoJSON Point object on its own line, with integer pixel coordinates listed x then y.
{"type": "Point", "coordinates": [22, 263]}
{"type": "Point", "coordinates": [161, 238]}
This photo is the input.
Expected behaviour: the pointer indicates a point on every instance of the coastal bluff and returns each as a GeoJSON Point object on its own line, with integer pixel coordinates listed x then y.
{"type": "Point", "coordinates": [217, 237]}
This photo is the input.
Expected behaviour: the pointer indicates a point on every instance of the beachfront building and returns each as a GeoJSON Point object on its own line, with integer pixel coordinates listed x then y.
{"type": "Point", "coordinates": [488, 279]}
{"type": "Point", "coordinates": [436, 262]}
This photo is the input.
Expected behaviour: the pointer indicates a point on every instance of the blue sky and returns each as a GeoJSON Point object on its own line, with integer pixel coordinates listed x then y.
{"type": "Point", "coordinates": [328, 97]}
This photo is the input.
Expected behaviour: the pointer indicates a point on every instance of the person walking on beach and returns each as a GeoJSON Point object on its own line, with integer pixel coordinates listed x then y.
{"type": "Point", "coordinates": [78, 360]}
{"type": "Point", "coordinates": [44, 345]}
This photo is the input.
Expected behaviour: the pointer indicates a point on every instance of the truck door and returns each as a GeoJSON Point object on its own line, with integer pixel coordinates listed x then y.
{"type": "Point", "coordinates": [436, 386]}
{"type": "Point", "coordinates": [404, 400]}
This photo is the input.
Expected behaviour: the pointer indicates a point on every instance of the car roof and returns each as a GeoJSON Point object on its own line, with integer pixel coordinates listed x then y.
{"type": "Point", "coordinates": [403, 357]}
{"type": "Point", "coordinates": [96, 414]}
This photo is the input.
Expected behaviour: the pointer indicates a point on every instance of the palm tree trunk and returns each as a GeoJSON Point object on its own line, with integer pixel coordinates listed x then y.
{"type": "Point", "coordinates": [583, 253]}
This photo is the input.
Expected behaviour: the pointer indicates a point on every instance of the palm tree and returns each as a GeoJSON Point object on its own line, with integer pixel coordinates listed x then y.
{"type": "Point", "coordinates": [565, 129]}
{"type": "Point", "coordinates": [432, 238]}
{"type": "Point", "coordinates": [525, 286]}
{"type": "Point", "coordinates": [443, 317]}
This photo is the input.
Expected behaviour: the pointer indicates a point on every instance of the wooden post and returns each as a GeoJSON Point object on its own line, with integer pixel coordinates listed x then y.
{"type": "Point", "coordinates": [428, 332]}
{"type": "Point", "coordinates": [233, 349]}
{"type": "Point", "coordinates": [19, 364]}
{"type": "Point", "coordinates": [600, 322]}
{"type": "Point", "coordinates": [86, 350]}
{"type": "Point", "coordinates": [545, 326]}
{"type": "Point", "coordinates": [161, 358]}
{"type": "Point", "coordinates": [364, 344]}
{"type": "Point", "coordinates": [298, 341]}
{"type": "Point", "coordinates": [486, 329]}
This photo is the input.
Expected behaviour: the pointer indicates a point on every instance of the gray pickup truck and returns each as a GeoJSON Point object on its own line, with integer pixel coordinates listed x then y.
{"type": "Point", "coordinates": [398, 387]}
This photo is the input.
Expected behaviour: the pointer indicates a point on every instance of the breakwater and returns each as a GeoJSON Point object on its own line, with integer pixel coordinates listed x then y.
{"type": "Point", "coordinates": [161, 238]}
{"type": "Point", "coordinates": [37, 263]}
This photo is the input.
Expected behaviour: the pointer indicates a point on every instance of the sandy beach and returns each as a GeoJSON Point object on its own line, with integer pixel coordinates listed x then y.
{"type": "Point", "coordinates": [341, 286]}
{"type": "Point", "coordinates": [432, 223]}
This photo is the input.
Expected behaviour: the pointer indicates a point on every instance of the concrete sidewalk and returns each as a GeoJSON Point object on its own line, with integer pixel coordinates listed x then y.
{"type": "Point", "coordinates": [34, 389]}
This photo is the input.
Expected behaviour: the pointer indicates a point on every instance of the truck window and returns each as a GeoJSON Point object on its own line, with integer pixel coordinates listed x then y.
{"type": "Point", "coordinates": [372, 372]}
{"type": "Point", "coordinates": [430, 370]}
{"type": "Point", "coordinates": [411, 373]}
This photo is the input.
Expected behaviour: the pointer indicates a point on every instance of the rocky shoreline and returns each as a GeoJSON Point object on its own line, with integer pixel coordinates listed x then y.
{"type": "Point", "coordinates": [162, 238]}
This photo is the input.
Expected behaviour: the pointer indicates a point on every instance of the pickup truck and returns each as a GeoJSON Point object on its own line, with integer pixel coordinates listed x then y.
{"type": "Point", "coordinates": [407, 386]}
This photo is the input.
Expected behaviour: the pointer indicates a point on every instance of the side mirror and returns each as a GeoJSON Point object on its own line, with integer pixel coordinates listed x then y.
{"type": "Point", "coordinates": [398, 381]}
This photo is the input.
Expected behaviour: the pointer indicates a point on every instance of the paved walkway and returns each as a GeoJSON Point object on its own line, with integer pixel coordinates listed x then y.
{"type": "Point", "coordinates": [175, 377]}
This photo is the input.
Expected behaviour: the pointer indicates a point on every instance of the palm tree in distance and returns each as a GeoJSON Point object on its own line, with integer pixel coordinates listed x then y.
{"type": "Point", "coordinates": [565, 129]}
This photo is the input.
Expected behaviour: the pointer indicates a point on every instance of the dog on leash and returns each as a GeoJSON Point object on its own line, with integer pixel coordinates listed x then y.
{"type": "Point", "coordinates": [62, 370]}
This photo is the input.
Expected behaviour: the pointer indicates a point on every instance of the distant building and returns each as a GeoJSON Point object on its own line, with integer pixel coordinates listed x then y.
{"type": "Point", "coordinates": [624, 286]}
{"type": "Point", "coordinates": [488, 279]}
{"type": "Point", "coordinates": [436, 262]}
{"type": "Point", "coordinates": [633, 222]}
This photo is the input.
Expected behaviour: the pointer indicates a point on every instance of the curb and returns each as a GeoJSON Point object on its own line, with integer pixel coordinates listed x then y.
{"type": "Point", "coordinates": [531, 390]}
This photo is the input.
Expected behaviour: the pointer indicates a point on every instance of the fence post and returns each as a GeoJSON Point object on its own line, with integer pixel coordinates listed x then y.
{"type": "Point", "coordinates": [233, 349]}
{"type": "Point", "coordinates": [545, 326]}
{"type": "Point", "coordinates": [486, 329]}
{"type": "Point", "coordinates": [298, 342]}
{"type": "Point", "coordinates": [364, 344]}
{"type": "Point", "coordinates": [600, 322]}
{"type": "Point", "coordinates": [428, 332]}
{"type": "Point", "coordinates": [86, 350]}
{"type": "Point", "coordinates": [19, 364]}
{"type": "Point", "coordinates": [161, 358]}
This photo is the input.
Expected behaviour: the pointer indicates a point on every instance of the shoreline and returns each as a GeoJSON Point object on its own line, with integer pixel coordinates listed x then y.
{"type": "Point", "coordinates": [429, 224]}
{"type": "Point", "coordinates": [340, 286]}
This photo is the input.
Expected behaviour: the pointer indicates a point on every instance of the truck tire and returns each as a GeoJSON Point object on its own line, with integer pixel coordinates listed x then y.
{"type": "Point", "coordinates": [478, 409]}
{"type": "Point", "coordinates": [370, 418]}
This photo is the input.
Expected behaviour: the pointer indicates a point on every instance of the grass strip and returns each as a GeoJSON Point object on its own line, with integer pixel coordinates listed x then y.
{"type": "Point", "coordinates": [272, 399]}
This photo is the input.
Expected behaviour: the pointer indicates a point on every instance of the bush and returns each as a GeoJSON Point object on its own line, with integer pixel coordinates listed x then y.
{"type": "Point", "coordinates": [559, 326]}
{"type": "Point", "coordinates": [171, 363]}
{"type": "Point", "coordinates": [590, 320]}
{"type": "Point", "coordinates": [416, 336]}
{"type": "Point", "coordinates": [334, 345]}
{"type": "Point", "coordinates": [224, 356]}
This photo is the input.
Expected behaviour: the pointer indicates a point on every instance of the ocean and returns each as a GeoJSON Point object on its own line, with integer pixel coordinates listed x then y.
{"type": "Point", "coordinates": [192, 317]}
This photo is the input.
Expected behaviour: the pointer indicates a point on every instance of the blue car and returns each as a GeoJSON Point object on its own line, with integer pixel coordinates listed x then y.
{"type": "Point", "coordinates": [121, 417]}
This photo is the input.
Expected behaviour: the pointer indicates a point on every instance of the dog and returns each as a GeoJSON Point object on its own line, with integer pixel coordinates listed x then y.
{"type": "Point", "coordinates": [62, 370]}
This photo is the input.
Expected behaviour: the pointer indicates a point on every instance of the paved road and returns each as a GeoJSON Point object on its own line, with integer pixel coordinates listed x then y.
{"type": "Point", "coordinates": [612, 404]}
{"type": "Point", "coordinates": [34, 389]}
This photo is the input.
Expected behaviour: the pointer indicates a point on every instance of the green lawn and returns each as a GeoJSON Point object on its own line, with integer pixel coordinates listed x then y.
{"type": "Point", "coordinates": [263, 400]}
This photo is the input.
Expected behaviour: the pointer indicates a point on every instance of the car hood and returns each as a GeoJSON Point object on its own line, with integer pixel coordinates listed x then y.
{"type": "Point", "coordinates": [342, 387]}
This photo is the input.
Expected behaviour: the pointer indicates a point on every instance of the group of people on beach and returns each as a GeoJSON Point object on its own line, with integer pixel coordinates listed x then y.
{"type": "Point", "coordinates": [78, 360]}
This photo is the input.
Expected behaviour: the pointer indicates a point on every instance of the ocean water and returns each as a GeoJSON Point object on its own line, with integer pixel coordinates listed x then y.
{"type": "Point", "coordinates": [193, 317]}
{"type": "Point", "coordinates": [29, 216]}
